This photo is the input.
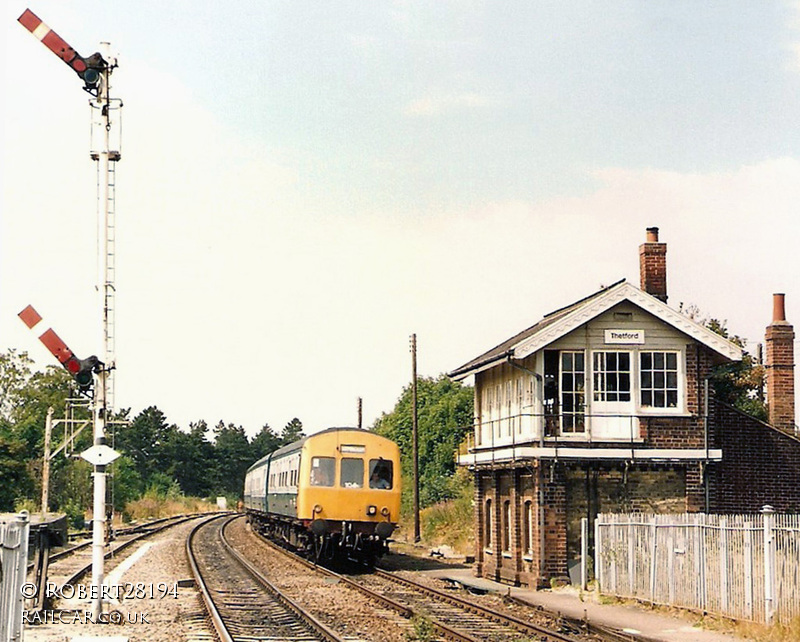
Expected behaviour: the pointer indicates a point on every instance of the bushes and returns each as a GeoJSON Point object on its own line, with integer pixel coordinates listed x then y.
{"type": "Point", "coordinates": [154, 506]}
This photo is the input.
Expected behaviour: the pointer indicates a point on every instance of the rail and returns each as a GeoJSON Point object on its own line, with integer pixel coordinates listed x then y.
{"type": "Point", "coordinates": [218, 617]}
{"type": "Point", "coordinates": [449, 631]}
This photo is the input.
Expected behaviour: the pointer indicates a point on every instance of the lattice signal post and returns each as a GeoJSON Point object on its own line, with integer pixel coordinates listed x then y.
{"type": "Point", "coordinates": [95, 72]}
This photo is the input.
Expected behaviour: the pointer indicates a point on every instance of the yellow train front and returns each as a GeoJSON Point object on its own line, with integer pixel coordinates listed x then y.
{"type": "Point", "coordinates": [334, 495]}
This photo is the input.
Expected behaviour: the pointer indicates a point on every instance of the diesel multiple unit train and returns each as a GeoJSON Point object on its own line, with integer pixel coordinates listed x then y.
{"type": "Point", "coordinates": [334, 495]}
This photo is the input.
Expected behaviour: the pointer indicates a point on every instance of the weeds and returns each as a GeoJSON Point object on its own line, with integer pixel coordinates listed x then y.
{"type": "Point", "coordinates": [424, 630]}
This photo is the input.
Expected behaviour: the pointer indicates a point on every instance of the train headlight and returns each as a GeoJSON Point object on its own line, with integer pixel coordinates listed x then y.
{"type": "Point", "coordinates": [372, 510]}
{"type": "Point", "coordinates": [385, 511]}
{"type": "Point", "coordinates": [317, 508]}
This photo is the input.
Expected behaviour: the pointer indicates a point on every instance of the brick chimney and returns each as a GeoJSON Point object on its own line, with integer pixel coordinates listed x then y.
{"type": "Point", "coordinates": [780, 367]}
{"type": "Point", "coordinates": [653, 265]}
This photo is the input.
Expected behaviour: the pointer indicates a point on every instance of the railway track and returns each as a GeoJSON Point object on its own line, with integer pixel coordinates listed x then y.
{"type": "Point", "coordinates": [241, 602]}
{"type": "Point", "coordinates": [453, 618]}
{"type": "Point", "coordinates": [68, 566]}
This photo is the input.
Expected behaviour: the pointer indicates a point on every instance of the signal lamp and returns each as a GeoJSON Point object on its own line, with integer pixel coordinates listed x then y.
{"type": "Point", "coordinates": [83, 370]}
{"type": "Point", "coordinates": [91, 77]}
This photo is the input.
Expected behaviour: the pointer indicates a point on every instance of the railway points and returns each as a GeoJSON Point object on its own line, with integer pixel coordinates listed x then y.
{"type": "Point", "coordinates": [348, 615]}
{"type": "Point", "coordinates": [626, 621]}
{"type": "Point", "coordinates": [163, 617]}
{"type": "Point", "coordinates": [452, 617]}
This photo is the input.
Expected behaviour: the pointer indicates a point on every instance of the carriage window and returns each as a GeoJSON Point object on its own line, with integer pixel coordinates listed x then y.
{"type": "Point", "coordinates": [380, 473]}
{"type": "Point", "coordinates": [323, 470]}
{"type": "Point", "coordinates": [352, 472]}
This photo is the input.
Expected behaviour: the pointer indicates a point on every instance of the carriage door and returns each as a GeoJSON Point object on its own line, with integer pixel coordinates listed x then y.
{"type": "Point", "coordinates": [612, 402]}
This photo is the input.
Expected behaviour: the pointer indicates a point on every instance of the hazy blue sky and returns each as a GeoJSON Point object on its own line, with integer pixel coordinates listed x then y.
{"type": "Point", "coordinates": [305, 184]}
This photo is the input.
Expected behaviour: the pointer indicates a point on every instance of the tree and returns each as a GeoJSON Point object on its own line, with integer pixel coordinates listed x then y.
{"type": "Point", "coordinates": [14, 478]}
{"type": "Point", "coordinates": [444, 413]}
{"type": "Point", "coordinates": [26, 398]}
{"type": "Point", "coordinates": [265, 442]}
{"type": "Point", "coordinates": [739, 383]}
{"type": "Point", "coordinates": [125, 482]}
{"type": "Point", "coordinates": [292, 432]}
{"type": "Point", "coordinates": [15, 371]}
{"type": "Point", "coordinates": [144, 440]}
{"type": "Point", "coordinates": [233, 457]}
{"type": "Point", "coordinates": [189, 459]}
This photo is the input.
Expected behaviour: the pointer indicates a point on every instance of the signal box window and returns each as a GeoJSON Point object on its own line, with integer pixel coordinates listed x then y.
{"type": "Point", "coordinates": [659, 379]}
{"type": "Point", "coordinates": [323, 470]}
{"type": "Point", "coordinates": [380, 474]}
{"type": "Point", "coordinates": [352, 472]}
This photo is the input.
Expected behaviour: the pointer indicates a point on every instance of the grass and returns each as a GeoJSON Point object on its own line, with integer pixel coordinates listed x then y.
{"type": "Point", "coordinates": [789, 632]}
{"type": "Point", "coordinates": [449, 523]}
{"type": "Point", "coordinates": [154, 507]}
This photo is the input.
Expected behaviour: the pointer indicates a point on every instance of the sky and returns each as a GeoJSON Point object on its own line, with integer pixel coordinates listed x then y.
{"type": "Point", "coordinates": [305, 185]}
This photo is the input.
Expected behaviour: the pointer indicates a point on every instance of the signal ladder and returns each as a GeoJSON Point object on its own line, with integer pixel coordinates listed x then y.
{"type": "Point", "coordinates": [109, 262]}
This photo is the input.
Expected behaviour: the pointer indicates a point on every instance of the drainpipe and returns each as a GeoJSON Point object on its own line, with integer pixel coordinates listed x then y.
{"type": "Point", "coordinates": [706, 382]}
{"type": "Point", "coordinates": [542, 563]}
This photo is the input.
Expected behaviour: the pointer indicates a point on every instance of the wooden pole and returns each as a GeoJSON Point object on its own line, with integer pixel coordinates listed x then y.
{"type": "Point", "coordinates": [48, 431]}
{"type": "Point", "coordinates": [415, 434]}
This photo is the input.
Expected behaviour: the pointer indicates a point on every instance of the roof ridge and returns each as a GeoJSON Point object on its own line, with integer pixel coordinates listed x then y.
{"type": "Point", "coordinates": [605, 288]}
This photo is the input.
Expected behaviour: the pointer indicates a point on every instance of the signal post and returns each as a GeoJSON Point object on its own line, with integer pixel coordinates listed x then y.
{"type": "Point", "coordinates": [93, 375]}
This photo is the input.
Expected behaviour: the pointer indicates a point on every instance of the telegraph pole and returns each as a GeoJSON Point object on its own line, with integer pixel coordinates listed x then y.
{"type": "Point", "coordinates": [414, 432]}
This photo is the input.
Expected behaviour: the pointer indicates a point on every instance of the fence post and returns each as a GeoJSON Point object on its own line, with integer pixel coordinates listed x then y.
{"type": "Point", "coordinates": [769, 563]}
{"type": "Point", "coordinates": [700, 560]}
{"type": "Point", "coordinates": [631, 557]}
{"type": "Point", "coordinates": [584, 553]}
{"type": "Point", "coordinates": [598, 549]}
{"type": "Point", "coordinates": [748, 568]}
{"type": "Point", "coordinates": [723, 563]}
{"type": "Point", "coordinates": [671, 564]}
{"type": "Point", "coordinates": [14, 556]}
{"type": "Point", "coordinates": [653, 554]}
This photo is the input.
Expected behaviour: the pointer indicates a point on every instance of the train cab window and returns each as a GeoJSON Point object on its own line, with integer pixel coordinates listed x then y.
{"type": "Point", "coordinates": [352, 473]}
{"type": "Point", "coordinates": [380, 474]}
{"type": "Point", "coordinates": [323, 470]}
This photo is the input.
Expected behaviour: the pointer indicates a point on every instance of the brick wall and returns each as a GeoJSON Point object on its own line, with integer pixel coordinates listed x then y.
{"type": "Point", "coordinates": [698, 367]}
{"type": "Point", "coordinates": [674, 432]}
{"type": "Point", "coordinates": [760, 465]}
{"type": "Point", "coordinates": [554, 500]}
{"type": "Point", "coordinates": [480, 496]}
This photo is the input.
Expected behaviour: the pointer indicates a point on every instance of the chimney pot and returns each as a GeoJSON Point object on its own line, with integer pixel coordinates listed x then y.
{"type": "Point", "coordinates": [653, 265]}
{"type": "Point", "coordinates": [778, 307]}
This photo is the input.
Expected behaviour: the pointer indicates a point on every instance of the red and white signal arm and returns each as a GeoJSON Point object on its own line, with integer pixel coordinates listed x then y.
{"type": "Point", "coordinates": [31, 318]}
{"type": "Point", "coordinates": [78, 368]}
{"type": "Point", "coordinates": [87, 68]}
